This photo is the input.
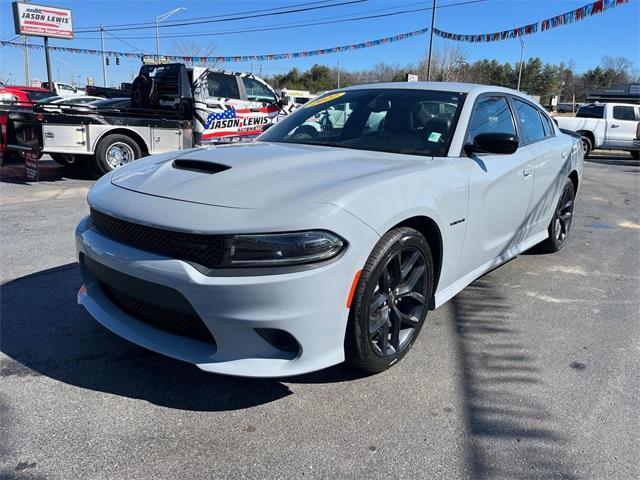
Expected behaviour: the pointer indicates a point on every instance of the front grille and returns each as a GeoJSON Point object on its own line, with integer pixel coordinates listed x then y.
{"type": "Point", "coordinates": [183, 324]}
{"type": "Point", "coordinates": [205, 250]}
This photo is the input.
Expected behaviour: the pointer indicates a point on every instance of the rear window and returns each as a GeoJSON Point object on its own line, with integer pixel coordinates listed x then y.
{"type": "Point", "coordinates": [36, 96]}
{"type": "Point", "coordinates": [624, 113]}
{"type": "Point", "coordinates": [222, 85]}
{"type": "Point", "coordinates": [591, 111]}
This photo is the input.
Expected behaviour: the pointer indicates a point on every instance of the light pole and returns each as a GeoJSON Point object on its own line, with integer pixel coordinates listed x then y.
{"type": "Point", "coordinates": [58, 59]}
{"type": "Point", "coordinates": [162, 18]}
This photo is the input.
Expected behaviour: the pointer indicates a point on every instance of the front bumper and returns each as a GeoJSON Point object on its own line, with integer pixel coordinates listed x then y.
{"type": "Point", "coordinates": [309, 305]}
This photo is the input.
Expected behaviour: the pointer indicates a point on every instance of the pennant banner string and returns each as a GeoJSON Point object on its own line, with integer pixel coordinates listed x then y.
{"type": "Point", "coordinates": [543, 25]}
{"type": "Point", "coordinates": [229, 59]}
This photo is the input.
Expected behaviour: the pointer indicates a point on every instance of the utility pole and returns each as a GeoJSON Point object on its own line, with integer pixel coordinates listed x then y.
{"type": "Point", "coordinates": [521, 61]}
{"type": "Point", "coordinates": [104, 65]}
{"type": "Point", "coordinates": [27, 79]}
{"type": "Point", "coordinates": [338, 73]}
{"type": "Point", "coordinates": [433, 22]}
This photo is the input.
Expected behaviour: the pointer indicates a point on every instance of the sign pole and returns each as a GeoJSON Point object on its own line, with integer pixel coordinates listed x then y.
{"type": "Point", "coordinates": [48, 60]}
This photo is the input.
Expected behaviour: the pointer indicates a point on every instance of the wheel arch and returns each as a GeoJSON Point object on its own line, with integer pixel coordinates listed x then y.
{"type": "Point", "coordinates": [575, 180]}
{"type": "Point", "coordinates": [589, 134]}
{"type": "Point", "coordinates": [135, 136]}
{"type": "Point", "coordinates": [431, 232]}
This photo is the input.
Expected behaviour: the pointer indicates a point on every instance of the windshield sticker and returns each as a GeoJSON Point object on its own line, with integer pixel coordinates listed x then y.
{"type": "Point", "coordinates": [434, 136]}
{"type": "Point", "coordinates": [321, 100]}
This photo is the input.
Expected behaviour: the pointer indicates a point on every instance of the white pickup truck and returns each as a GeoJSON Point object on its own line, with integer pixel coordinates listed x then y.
{"type": "Point", "coordinates": [611, 126]}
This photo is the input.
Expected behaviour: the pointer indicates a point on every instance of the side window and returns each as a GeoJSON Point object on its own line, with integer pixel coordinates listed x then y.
{"type": "Point", "coordinates": [491, 115]}
{"type": "Point", "coordinates": [532, 129]}
{"type": "Point", "coordinates": [222, 85]}
{"type": "Point", "coordinates": [256, 91]}
{"type": "Point", "coordinates": [548, 126]}
{"type": "Point", "coordinates": [624, 113]}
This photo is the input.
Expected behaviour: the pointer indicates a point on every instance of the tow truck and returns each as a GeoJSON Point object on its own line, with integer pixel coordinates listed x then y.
{"type": "Point", "coordinates": [171, 107]}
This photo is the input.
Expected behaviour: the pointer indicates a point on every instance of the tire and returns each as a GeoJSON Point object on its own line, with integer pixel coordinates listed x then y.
{"type": "Point", "coordinates": [561, 221]}
{"type": "Point", "coordinates": [64, 159]}
{"type": "Point", "coordinates": [372, 302]}
{"type": "Point", "coordinates": [587, 146]}
{"type": "Point", "coordinates": [114, 151]}
{"type": "Point", "coordinates": [635, 154]}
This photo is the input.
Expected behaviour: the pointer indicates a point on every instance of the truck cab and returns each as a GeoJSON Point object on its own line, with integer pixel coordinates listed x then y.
{"type": "Point", "coordinates": [64, 89]}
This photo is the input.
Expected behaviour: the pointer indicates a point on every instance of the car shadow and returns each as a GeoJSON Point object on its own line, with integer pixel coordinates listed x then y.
{"type": "Point", "coordinates": [510, 432]}
{"type": "Point", "coordinates": [44, 332]}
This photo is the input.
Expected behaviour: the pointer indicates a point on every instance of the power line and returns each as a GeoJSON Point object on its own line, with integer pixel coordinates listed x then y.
{"type": "Point", "coordinates": [233, 19]}
{"type": "Point", "coordinates": [202, 18]}
{"type": "Point", "coordinates": [121, 40]}
{"type": "Point", "coordinates": [310, 24]}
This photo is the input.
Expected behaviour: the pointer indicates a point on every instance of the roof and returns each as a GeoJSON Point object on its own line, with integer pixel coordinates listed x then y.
{"type": "Point", "coordinates": [441, 86]}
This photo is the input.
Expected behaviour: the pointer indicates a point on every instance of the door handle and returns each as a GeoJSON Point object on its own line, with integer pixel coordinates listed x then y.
{"type": "Point", "coordinates": [615, 125]}
{"type": "Point", "coordinates": [526, 171]}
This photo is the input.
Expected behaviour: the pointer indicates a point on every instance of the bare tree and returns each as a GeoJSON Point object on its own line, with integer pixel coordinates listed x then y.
{"type": "Point", "coordinates": [192, 49]}
{"type": "Point", "coordinates": [447, 63]}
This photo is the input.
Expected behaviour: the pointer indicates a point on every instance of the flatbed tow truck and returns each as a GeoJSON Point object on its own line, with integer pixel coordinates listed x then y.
{"type": "Point", "coordinates": [171, 107]}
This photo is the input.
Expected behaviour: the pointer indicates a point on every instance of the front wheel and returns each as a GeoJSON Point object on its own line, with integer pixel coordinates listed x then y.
{"type": "Point", "coordinates": [391, 301]}
{"type": "Point", "coordinates": [115, 150]}
{"type": "Point", "coordinates": [561, 221]}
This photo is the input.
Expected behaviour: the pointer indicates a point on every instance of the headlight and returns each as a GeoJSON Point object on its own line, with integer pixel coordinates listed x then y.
{"type": "Point", "coordinates": [277, 249]}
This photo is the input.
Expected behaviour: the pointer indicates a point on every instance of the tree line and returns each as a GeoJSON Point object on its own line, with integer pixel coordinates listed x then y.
{"type": "Point", "coordinates": [450, 64]}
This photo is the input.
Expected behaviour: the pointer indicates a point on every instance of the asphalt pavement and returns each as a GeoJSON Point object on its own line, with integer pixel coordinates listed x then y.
{"type": "Point", "coordinates": [531, 372]}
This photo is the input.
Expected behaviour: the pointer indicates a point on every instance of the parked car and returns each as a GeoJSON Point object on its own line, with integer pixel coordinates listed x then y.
{"type": "Point", "coordinates": [116, 103]}
{"type": "Point", "coordinates": [81, 100]}
{"type": "Point", "coordinates": [611, 126]}
{"type": "Point", "coordinates": [294, 253]}
{"type": "Point", "coordinates": [22, 96]}
{"type": "Point", "coordinates": [568, 107]}
{"type": "Point", "coordinates": [64, 89]}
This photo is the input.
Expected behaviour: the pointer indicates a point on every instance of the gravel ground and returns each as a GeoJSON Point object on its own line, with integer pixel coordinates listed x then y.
{"type": "Point", "coordinates": [531, 372]}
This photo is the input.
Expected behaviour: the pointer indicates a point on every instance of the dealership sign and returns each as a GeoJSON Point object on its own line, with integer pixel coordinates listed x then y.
{"type": "Point", "coordinates": [42, 20]}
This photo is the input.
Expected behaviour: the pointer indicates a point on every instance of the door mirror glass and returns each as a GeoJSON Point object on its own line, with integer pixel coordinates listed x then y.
{"type": "Point", "coordinates": [495, 143]}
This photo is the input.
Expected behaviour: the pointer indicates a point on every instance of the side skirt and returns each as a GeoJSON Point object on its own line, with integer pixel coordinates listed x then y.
{"type": "Point", "coordinates": [452, 290]}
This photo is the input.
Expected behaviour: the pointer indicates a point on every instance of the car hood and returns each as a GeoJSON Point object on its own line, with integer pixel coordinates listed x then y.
{"type": "Point", "coordinates": [260, 174]}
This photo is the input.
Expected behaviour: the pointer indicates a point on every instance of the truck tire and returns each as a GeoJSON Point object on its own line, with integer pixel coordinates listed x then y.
{"type": "Point", "coordinates": [587, 145]}
{"type": "Point", "coordinates": [64, 159]}
{"type": "Point", "coordinates": [115, 150]}
{"type": "Point", "coordinates": [635, 154]}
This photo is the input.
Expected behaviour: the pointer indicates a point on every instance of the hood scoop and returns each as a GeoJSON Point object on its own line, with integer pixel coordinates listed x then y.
{"type": "Point", "coordinates": [199, 166]}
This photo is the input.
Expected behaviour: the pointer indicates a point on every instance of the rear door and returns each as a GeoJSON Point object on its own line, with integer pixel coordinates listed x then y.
{"type": "Point", "coordinates": [549, 155]}
{"type": "Point", "coordinates": [500, 188]}
{"type": "Point", "coordinates": [621, 126]}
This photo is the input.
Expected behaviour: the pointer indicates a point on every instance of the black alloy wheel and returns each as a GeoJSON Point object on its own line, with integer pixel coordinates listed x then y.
{"type": "Point", "coordinates": [561, 221]}
{"type": "Point", "coordinates": [391, 301]}
{"type": "Point", "coordinates": [398, 301]}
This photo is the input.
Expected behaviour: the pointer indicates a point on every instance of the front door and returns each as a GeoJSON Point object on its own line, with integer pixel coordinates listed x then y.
{"type": "Point", "coordinates": [500, 188]}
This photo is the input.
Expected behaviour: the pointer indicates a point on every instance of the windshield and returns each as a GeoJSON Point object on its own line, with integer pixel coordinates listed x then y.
{"type": "Point", "coordinates": [36, 96]}
{"type": "Point", "coordinates": [411, 121]}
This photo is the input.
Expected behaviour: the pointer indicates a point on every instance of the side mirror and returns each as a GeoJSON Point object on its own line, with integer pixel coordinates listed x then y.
{"type": "Point", "coordinates": [496, 143]}
{"type": "Point", "coordinates": [284, 101]}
